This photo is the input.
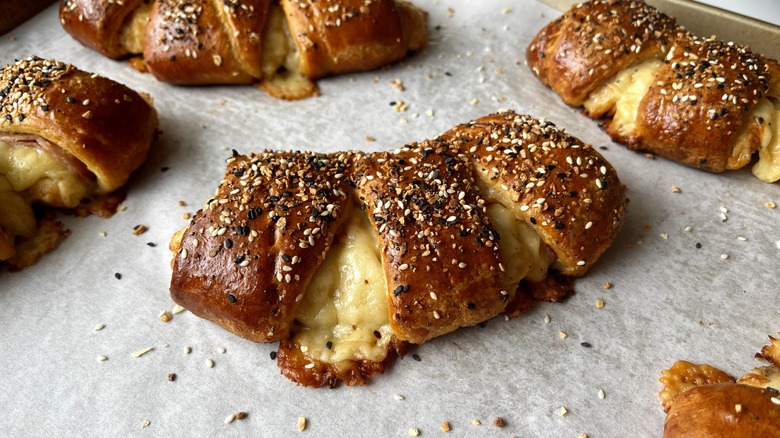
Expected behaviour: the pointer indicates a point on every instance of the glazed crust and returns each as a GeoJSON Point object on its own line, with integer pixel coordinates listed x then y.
{"type": "Point", "coordinates": [593, 41]}
{"type": "Point", "coordinates": [98, 24]}
{"type": "Point", "coordinates": [562, 188]}
{"type": "Point", "coordinates": [697, 109]}
{"type": "Point", "coordinates": [431, 243]}
{"type": "Point", "coordinates": [356, 36]}
{"type": "Point", "coordinates": [104, 125]}
{"type": "Point", "coordinates": [203, 42]}
{"type": "Point", "coordinates": [724, 410]}
{"type": "Point", "coordinates": [685, 105]}
{"type": "Point", "coordinates": [247, 257]}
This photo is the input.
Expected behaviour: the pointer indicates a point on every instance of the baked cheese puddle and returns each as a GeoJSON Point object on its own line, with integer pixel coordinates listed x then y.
{"type": "Point", "coordinates": [344, 314]}
{"type": "Point", "coordinates": [281, 63]}
{"type": "Point", "coordinates": [767, 115]}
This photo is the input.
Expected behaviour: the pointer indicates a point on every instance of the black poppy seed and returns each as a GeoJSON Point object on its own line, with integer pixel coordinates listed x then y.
{"type": "Point", "coordinates": [283, 207]}
{"type": "Point", "coordinates": [273, 355]}
{"type": "Point", "coordinates": [698, 245]}
{"type": "Point", "coordinates": [117, 275]}
{"type": "Point", "coordinates": [70, 99]}
{"type": "Point", "coordinates": [585, 344]}
{"type": "Point", "coordinates": [533, 220]}
{"type": "Point", "coordinates": [273, 198]}
{"type": "Point", "coordinates": [239, 259]}
{"type": "Point", "coordinates": [231, 298]}
{"type": "Point", "coordinates": [329, 345]}
{"type": "Point", "coordinates": [471, 306]}
{"type": "Point", "coordinates": [164, 169]}
{"type": "Point", "coordinates": [416, 357]}
{"type": "Point", "coordinates": [9, 117]}
{"type": "Point", "coordinates": [286, 258]}
{"type": "Point", "coordinates": [151, 244]}
{"type": "Point", "coordinates": [45, 107]}
{"type": "Point", "coordinates": [287, 194]}
{"type": "Point", "coordinates": [228, 243]}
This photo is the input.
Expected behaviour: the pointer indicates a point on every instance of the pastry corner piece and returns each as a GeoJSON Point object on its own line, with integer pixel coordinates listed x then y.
{"type": "Point", "coordinates": [284, 45]}
{"type": "Point", "coordinates": [703, 401]}
{"type": "Point", "coordinates": [346, 258]}
{"type": "Point", "coordinates": [702, 102]}
{"type": "Point", "coordinates": [67, 138]}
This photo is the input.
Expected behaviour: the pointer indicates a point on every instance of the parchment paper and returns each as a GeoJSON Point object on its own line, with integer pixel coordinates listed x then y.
{"type": "Point", "coordinates": [668, 300]}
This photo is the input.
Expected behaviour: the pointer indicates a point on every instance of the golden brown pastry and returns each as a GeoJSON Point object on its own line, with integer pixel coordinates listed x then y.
{"type": "Point", "coordinates": [346, 257]}
{"type": "Point", "coordinates": [65, 136]}
{"type": "Point", "coordinates": [283, 44]}
{"type": "Point", "coordinates": [703, 401]}
{"type": "Point", "coordinates": [702, 102]}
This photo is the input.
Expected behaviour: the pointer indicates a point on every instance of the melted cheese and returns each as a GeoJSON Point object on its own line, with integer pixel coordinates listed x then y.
{"type": "Point", "coordinates": [768, 166]}
{"type": "Point", "coordinates": [520, 247]}
{"type": "Point", "coordinates": [345, 305]}
{"type": "Point", "coordinates": [281, 63]}
{"type": "Point", "coordinates": [31, 170]}
{"type": "Point", "coordinates": [762, 377]}
{"type": "Point", "coordinates": [17, 218]}
{"type": "Point", "coordinates": [132, 37]}
{"type": "Point", "coordinates": [621, 96]}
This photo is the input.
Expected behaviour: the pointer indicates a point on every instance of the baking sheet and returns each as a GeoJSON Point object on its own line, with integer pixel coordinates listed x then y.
{"type": "Point", "coordinates": [668, 300]}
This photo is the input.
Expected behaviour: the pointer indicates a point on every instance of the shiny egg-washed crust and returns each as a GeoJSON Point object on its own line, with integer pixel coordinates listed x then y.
{"type": "Point", "coordinates": [98, 24]}
{"type": "Point", "coordinates": [696, 110]}
{"type": "Point", "coordinates": [192, 42]}
{"type": "Point", "coordinates": [357, 35]}
{"type": "Point", "coordinates": [704, 87]}
{"type": "Point", "coordinates": [727, 410]}
{"type": "Point", "coordinates": [593, 41]}
{"type": "Point", "coordinates": [247, 257]}
{"type": "Point", "coordinates": [293, 364]}
{"type": "Point", "coordinates": [562, 188]}
{"type": "Point", "coordinates": [100, 123]}
{"type": "Point", "coordinates": [433, 236]}
{"type": "Point", "coordinates": [205, 42]}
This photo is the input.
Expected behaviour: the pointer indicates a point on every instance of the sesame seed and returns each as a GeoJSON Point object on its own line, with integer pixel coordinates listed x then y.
{"type": "Point", "coordinates": [139, 353]}
{"type": "Point", "coordinates": [602, 394]}
{"type": "Point", "coordinates": [210, 363]}
{"type": "Point", "coordinates": [398, 397]}
{"type": "Point", "coordinates": [230, 418]}
{"type": "Point", "coordinates": [99, 327]}
{"type": "Point", "coordinates": [775, 400]}
{"type": "Point", "coordinates": [102, 358]}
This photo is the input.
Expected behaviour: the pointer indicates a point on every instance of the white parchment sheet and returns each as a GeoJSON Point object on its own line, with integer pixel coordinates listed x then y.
{"type": "Point", "coordinates": [669, 299]}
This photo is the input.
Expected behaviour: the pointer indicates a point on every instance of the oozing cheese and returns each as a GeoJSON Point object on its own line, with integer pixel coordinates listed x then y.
{"type": "Point", "coordinates": [520, 247]}
{"type": "Point", "coordinates": [132, 37]}
{"type": "Point", "coordinates": [345, 306]}
{"type": "Point", "coordinates": [768, 166]}
{"type": "Point", "coordinates": [281, 63]}
{"type": "Point", "coordinates": [33, 170]}
{"type": "Point", "coordinates": [622, 96]}
{"type": "Point", "coordinates": [17, 218]}
{"type": "Point", "coordinates": [762, 377]}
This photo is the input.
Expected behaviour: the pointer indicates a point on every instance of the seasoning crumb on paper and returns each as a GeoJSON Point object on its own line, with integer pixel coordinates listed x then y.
{"type": "Point", "coordinates": [177, 309]}
{"type": "Point", "coordinates": [770, 204]}
{"type": "Point", "coordinates": [475, 422]}
{"type": "Point", "coordinates": [562, 335]}
{"type": "Point", "coordinates": [102, 234]}
{"type": "Point", "coordinates": [599, 304]}
{"type": "Point", "coordinates": [165, 316]}
{"type": "Point", "coordinates": [171, 377]}
{"type": "Point", "coordinates": [499, 422]}
{"type": "Point", "coordinates": [240, 415]}
{"type": "Point", "coordinates": [139, 229]}
{"type": "Point", "coordinates": [139, 353]}
{"type": "Point", "coordinates": [210, 363]}
{"type": "Point", "coordinates": [607, 285]}
{"type": "Point", "coordinates": [413, 431]}
{"type": "Point", "coordinates": [221, 350]}
{"type": "Point", "coordinates": [563, 411]}
{"type": "Point", "coordinates": [145, 424]}
{"type": "Point", "coordinates": [676, 189]}
{"type": "Point", "coordinates": [301, 424]}
{"type": "Point", "coordinates": [445, 426]}
{"type": "Point", "coordinates": [397, 84]}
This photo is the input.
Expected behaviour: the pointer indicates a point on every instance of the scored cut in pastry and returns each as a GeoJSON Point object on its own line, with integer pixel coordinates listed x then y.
{"type": "Point", "coordinates": [346, 257]}
{"type": "Point", "coordinates": [698, 101]}
{"type": "Point", "coordinates": [703, 401]}
{"type": "Point", "coordinates": [66, 136]}
{"type": "Point", "coordinates": [284, 44]}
